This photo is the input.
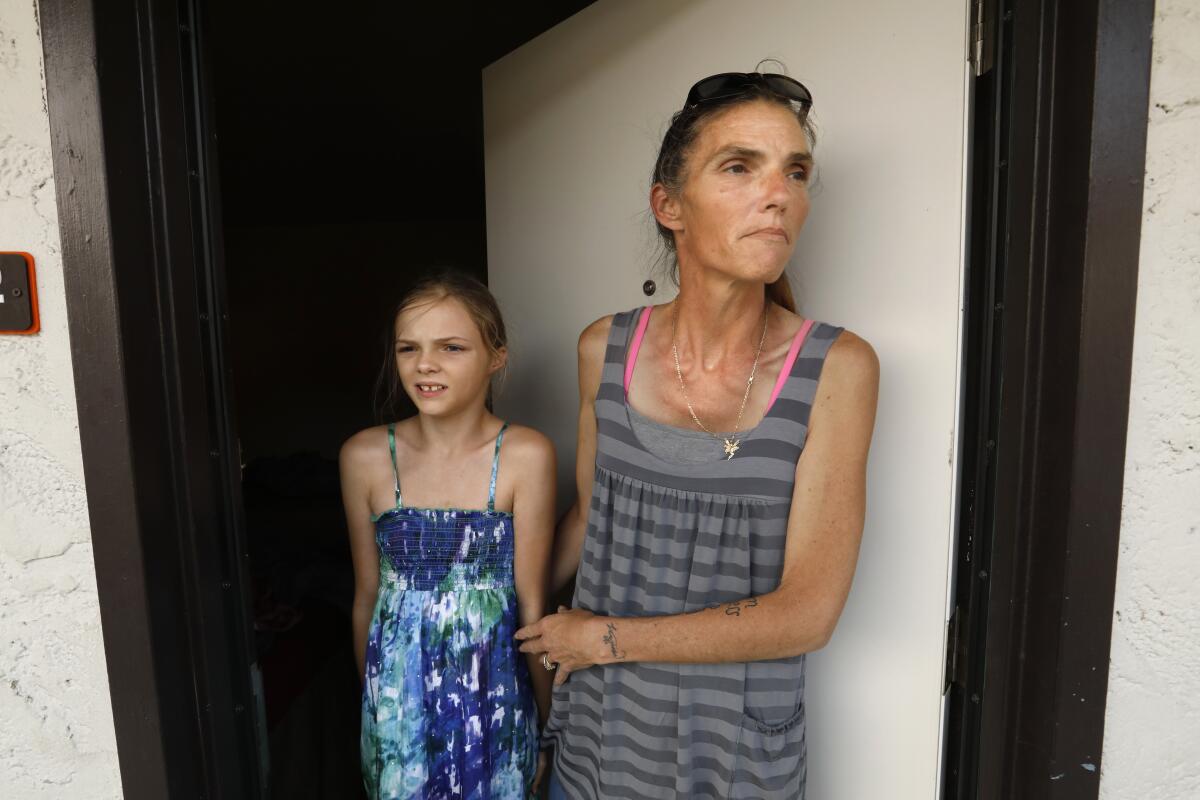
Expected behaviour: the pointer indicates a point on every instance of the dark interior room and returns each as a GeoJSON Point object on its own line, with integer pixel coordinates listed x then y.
{"type": "Point", "coordinates": [350, 155]}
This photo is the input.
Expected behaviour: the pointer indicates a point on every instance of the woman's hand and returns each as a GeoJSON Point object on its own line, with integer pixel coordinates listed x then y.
{"type": "Point", "coordinates": [573, 639]}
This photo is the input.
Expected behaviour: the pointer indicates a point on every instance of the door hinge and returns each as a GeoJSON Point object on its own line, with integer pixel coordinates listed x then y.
{"type": "Point", "coordinates": [981, 39]}
{"type": "Point", "coordinates": [953, 646]}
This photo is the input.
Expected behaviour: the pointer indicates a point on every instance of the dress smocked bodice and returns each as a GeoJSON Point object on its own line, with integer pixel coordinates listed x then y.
{"type": "Point", "coordinates": [445, 550]}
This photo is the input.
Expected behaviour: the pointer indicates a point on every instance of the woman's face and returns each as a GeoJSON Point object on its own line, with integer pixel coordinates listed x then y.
{"type": "Point", "coordinates": [744, 197]}
{"type": "Point", "coordinates": [441, 357]}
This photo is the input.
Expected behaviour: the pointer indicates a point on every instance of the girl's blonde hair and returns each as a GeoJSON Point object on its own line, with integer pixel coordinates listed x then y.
{"type": "Point", "coordinates": [480, 305]}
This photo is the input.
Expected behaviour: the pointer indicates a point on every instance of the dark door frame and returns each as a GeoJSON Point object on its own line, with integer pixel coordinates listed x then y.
{"type": "Point", "coordinates": [1059, 155]}
{"type": "Point", "coordinates": [134, 191]}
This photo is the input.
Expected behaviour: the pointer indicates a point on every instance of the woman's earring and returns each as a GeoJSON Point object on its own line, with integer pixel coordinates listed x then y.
{"type": "Point", "coordinates": [649, 288]}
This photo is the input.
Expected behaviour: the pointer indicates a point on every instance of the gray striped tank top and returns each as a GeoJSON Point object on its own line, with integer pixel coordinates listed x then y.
{"type": "Point", "coordinates": [665, 537]}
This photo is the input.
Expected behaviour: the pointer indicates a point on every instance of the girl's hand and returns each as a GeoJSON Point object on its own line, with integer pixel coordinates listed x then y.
{"type": "Point", "coordinates": [542, 763]}
{"type": "Point", "coordinates": [573, 639]}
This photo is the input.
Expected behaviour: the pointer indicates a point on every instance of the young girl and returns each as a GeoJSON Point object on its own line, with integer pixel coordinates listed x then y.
{"type": "Point", "coordinates": [451, 523]}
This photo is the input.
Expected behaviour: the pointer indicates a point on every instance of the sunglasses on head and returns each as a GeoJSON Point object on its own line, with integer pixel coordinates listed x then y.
{"type": "Point", "coordinates": [731, 84]}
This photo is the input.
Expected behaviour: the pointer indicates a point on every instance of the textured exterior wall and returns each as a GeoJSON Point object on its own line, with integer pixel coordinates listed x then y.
{"type": "Point", "coordinates": [1152, 734]}
{"type": "Point", "coordinates": [56, 738]}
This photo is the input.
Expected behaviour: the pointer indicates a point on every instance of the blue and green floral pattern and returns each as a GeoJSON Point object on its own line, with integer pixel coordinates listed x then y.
{"type": "Point", "coordinates": [448, 711]}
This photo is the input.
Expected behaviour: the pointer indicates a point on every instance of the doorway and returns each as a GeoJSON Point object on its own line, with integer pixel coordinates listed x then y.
{"type": "Point", "coordinates": [160, 460]}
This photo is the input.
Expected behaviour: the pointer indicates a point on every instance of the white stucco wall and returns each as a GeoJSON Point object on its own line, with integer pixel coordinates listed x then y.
{"type": "Point", "coordinates": [56, 728]}
{"type": "Point", "coordinates": [1152, 733]}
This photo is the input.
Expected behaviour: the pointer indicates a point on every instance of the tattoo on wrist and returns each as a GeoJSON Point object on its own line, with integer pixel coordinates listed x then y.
{"type": "Point", "coordinates": [610, 639]}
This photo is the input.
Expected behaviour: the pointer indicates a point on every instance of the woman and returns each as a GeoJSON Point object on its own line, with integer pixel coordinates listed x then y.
{"type": "Point", "coordinates": [721, 468]}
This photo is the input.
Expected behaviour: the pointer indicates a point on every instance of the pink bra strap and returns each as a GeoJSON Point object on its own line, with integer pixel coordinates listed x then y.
{"type": "Point", "coordinates": [790, 361]}
{"type": "Point", "coordinates": [635, 345]}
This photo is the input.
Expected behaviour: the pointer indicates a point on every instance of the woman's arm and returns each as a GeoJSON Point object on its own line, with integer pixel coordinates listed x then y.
{"type": "Point", "coordinates": [824, 531]}
{"type": "Point", "coordinates": [568, 543]}
{"type": "Point", "coordinates": [530, 455]}
{"type": "Point", "coordinates": [355, 462]}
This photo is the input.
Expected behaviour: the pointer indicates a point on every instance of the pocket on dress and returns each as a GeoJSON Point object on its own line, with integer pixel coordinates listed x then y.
{"type": "Point", "coordinates": [771, 758]}
{"type": "Point", "coordinates": [751, 719]}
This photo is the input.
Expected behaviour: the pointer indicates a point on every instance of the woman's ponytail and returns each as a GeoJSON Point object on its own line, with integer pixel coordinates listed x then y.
{"type": "Point", "coordinates": [780, 293]}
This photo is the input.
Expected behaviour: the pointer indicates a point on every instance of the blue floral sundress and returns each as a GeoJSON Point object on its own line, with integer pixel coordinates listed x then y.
{"type": "Point", "coordinates": [447, 708]}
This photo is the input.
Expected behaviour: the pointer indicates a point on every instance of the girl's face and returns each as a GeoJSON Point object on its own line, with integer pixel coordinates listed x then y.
{"type": "Point", "coordinates": [745, 193]}
{"type": "Point", "coordinates": [443, 362]}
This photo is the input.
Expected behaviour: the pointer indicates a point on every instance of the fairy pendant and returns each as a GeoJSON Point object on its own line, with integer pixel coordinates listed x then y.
{"type": "Point", "coordinates": [731, 447]}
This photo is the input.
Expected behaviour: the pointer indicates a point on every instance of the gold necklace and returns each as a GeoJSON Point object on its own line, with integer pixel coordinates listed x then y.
{"type": "Point", "coordinates": [731, 444]}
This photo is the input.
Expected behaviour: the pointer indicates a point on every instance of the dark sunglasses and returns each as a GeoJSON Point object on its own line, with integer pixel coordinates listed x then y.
{"type": "Point", "coordinates": [731, 84]}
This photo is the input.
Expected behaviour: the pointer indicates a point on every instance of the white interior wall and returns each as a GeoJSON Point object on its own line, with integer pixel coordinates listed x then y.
{"type": "Point", "coordinates": [572, 123]}
{"type": "Point", "coordinates": [1152, 729]}
{"type": "Point", "coordinates": [57, 737]}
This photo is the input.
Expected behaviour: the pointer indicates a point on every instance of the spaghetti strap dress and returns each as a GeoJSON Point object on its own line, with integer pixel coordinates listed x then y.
{"type": "Point", "coordinates": [447, 706]}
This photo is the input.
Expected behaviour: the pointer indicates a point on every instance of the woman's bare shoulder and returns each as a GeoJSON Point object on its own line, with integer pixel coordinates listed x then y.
{"type": "Point", "coordinates": [851, 368]}
{"type": "Point", "coordinates": [853, 354]}
{"type": "Point", "coordinates": [594, 339]}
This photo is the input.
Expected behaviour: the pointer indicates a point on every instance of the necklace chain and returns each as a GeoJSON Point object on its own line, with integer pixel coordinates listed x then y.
{"type": "Point", "coordinates": [731, 442]}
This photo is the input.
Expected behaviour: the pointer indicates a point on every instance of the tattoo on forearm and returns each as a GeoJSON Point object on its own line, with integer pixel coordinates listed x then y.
{"type": "Point", "coordinates": [733, 609]}
{"type": "Point", "coordinates": [736, 608]}
{"type": "Point", "coordinates": [610, 639]}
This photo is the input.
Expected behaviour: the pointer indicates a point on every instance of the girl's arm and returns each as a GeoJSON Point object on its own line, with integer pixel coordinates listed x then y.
{"type": "Point", "coordinates": [355, 463]}
{"type": "Point", "coordinates": [824, 531]}
{"type": "Point", "coordinates": [568, 543]}
{"type": "Point", "coordinates": [530, 455]}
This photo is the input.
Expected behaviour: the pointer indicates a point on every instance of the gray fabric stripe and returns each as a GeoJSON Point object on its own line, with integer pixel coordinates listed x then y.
{"type": "Point", "coordinates": [754, 454]}
{"type": "Point", "coordinates": [615, 354]}
{"type": "Point", "coordinates": [612, 487]}
{"type": "Point", "coordinates": [682, 564]}
{"type": "Point", "coordinates": [745, 487]}
{"type": "Point", "coordinates": [808, 367]}
{"type": "Point", "coordinates": [653, 687]}
{"type": "Point", "coordinates": [794, 409]}
{"type": "Point", "coordinates": [747, 463]}
{"type": "Point", "coordinates": [634, 601]}
{"type": "Point", "coordinates": [612, 392]}
{"type": "Point", "coordinates": [675, 531]}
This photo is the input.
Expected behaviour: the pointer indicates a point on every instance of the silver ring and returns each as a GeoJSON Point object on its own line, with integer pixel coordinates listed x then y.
{"type": "Point", "coordinates": [546, 663]}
